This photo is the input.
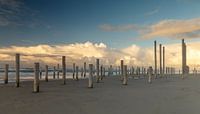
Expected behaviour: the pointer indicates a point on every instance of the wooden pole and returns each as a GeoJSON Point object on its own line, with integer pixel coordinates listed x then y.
{"type": "Point", "coordinates": [119, 70]}
{"type": "Point", "coordinates": [84, 67]}
{"type": "Point", "coordinates": [97, 70]}
{"type": "Point", "coordinates": [40, 73]}
{"type": "Point", "coordinates": [64, 69]}
{"type": "Point", "coordinates": [77, 73]}
{"type": "Point", "coordinates": [90, 78]}
{"type": "Point", "coordinates": [132, 70]}
{"type": "Point", "coordinates": [122, 69]}
{"type": "Point", "coordinates": [46, 73]}
{"type": "Point", "coordinates": [36, 78]}
{"type": "Point", "coordinates": [104, 71]}
{"type": "Point", "coordinates": [150, 72]}
{"type": "Point", "coordinates": [74, 69]}
{"type": "Point", "coordinates": [111, 70]}
{"type": "Point", "coordinates": [163, 61]}
{"type": "Point", "coordinates": [155, 59]}
{"type": "Point", "coordinates": [82, 72]}
{"type": "Point", "coordinates": [171, 71]}
{"type": "Point", "coordinates": [101, 72]}
{"type": "Point", "coordinates": [125, 75]}
{"type": "Point", "coordinates": [54, 72]}
{"type": "Point", "coordinates": [184, 59]}
{"type": "Point", "coordinates": [6, 74]}
{"type": "Point", "coordinates": [139, 72]}
{"type": "Point", "coordinates": [58, 71]}
{"type": "Point", "coordinates": [17, 60]}
{"type": "Point", "coordinates": [160, 46]}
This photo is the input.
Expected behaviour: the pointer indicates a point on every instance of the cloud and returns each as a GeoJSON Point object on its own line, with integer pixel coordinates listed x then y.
{"type": "Point", "coordinates": [78, 52]}
{"type": "Point", "coordinates": [16, 13]}
{"type": "Point", "coordinates": [10, 11]}
{"type": "Point", "coordinates": [51, 54]}
{"type": "Point", "coordinates": [118, 28]}
{"type": "Point", "coordinates": [88, 52]}
{"type": "Point", "coordinates": [174, 29]}
{"type": "Point", "coordinates": [12, 4]}
{"type": "Point", "coordinates": [169, 28]}
{"type": "Point", "coordinates": [173, 54]}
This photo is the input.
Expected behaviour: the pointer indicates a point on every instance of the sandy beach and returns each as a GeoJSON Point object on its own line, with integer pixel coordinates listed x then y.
{"type": "Point", "coordinates": [163, 96]}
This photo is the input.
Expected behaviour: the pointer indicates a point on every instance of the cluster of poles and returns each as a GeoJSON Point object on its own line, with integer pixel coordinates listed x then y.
{"type": "Point", "coordinates": [123, 71]}
{"type": "Point", "coordinates": [100, 72]}
{"type": "Point", "coordinates": [163, 69]}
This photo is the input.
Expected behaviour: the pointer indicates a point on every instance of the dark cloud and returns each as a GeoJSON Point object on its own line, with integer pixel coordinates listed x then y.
{"type": "Point", "coordinates": [10, 12]}
{"type": "Point", "coordinates": [17, 13]}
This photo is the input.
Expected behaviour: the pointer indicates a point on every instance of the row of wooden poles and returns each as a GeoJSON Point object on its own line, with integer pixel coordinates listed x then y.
{"type": "Point", "coordinates": [100, 72]}
{"type": "Point", "coordinates": [37, 73]}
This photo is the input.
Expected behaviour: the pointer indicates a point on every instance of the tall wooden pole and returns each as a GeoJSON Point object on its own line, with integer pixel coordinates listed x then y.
{"type": "Point", "coordinates": [46, 73]}
{"type": "Point", "coordinates": [64, 69]}
{"type": "Point", "coordinates": [36, 78]}
{"type": "Point", "coordinates": [122, 69]}
{"type": "Point", "coordinates": [160, 59]}
{"type": "Point", "coordinates": [77, 73]}
{"type": "Point", "coordinates": [125, 75]}
{"type": "Point", "coordinates": [90, 78]}
{"type": "Point", "coordinates": [155, 59]}
{"type": "Point", "coordinates": [101, 72]}
{"type": "Point", "coordinates": [40, 73]}
{"type": "Point", "coordinates": [54, 72]}
{"type": "Point", "coordinates": [6, 74]}
{"type": "Point", "coordinates": [163, 61]}
{"type": "Point", "coordinates": [17, 60]}
{"type": "Point", "coordinates": [184, 59]}
{"type": "Point", "coordinates": [84, 67]}
{"type": "Point", "coordinates": [74, 69]}
{"type": "Point", "coordinates": [81, 72]}
{"type": "Point", "coordinates": [97, 70]}
{"type": "Point", "coordinates": [119, 70]}
{"type": "Point", "coordinates": [58, 70]}
{"type": "Point", "coordinates": [104, 71]}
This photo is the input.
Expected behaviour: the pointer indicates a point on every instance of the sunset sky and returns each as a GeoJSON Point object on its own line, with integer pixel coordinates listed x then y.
{"type": "Point", "coordinates": [82, 30]}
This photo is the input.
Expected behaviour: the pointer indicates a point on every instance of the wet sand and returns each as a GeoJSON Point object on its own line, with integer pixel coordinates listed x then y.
{"type": "Point", "coordinates": [163, 96]}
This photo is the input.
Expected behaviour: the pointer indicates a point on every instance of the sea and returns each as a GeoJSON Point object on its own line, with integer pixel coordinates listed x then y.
{"type": "Point", "coordinates": [28, 75]}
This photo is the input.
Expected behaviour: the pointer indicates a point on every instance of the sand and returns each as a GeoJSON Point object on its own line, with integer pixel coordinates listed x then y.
{"type": "Point", "coordinates": [163, 96]}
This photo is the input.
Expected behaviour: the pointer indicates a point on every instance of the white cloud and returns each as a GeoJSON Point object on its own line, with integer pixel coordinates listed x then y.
{"type": "Point", "coordinates": [78, 52]}
{"type": "Point", "coordinates": [169, 28]}
{"type": "Point", "coordinates": [174, 29]}
{"type": "Point", "coordinates": [88, 52]}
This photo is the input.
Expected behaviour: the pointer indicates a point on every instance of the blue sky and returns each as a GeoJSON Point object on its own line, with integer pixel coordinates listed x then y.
{"type": "Point", "coordinates": [32, 22]}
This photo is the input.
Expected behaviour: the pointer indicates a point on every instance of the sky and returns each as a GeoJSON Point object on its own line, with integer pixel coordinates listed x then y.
{"type": "Point", "coordinates": [108, 29]}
